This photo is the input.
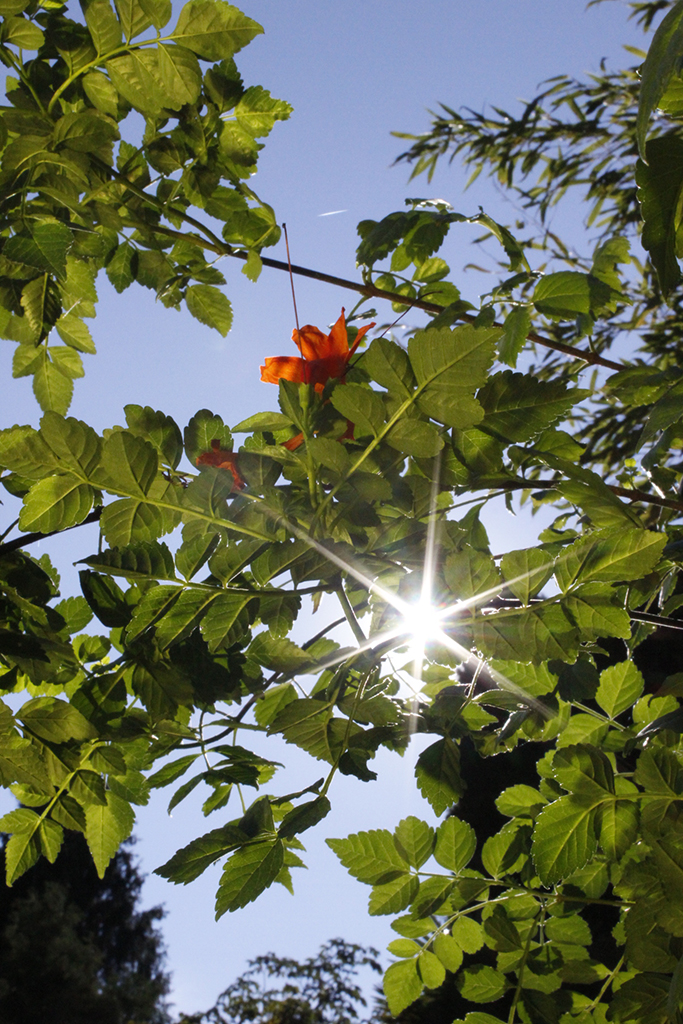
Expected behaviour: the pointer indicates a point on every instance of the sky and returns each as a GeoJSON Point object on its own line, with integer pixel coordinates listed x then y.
{"type": "Point", "coordinates": [354, 71]}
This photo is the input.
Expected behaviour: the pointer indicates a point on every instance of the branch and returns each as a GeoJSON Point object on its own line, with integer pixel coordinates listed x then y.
{"type": "Point", "coordinates": [213, 243]}
{"type": "Point", "coordinates": [622, 492]}
{"type": "Point", "coordinates": [33, 538]}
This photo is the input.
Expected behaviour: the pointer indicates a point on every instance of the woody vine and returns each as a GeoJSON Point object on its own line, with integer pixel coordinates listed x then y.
{"type": "Point", "coordinates": [355, 487]}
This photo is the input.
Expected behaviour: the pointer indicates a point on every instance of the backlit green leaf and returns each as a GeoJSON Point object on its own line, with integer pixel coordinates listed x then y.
{"type": "Point", "coordinates": [247, 873]}
{"type": "Point", "coordinates": [206, 303]}
{"type": "Point", "coordinates": [214, 29]}
{"type": "Point", "coordinates": [565, 837]}
{"type": "Point", "coordinates": [620, 687]}
{"type": "Point", "coordinates": [106, 828]}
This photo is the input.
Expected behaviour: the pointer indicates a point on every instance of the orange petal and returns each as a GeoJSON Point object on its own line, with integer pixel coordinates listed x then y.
{"type": "Point", "coordinates": [223, 460]}
{"type": "Point", "coordinates": [362, 332]}
{"type": "Point", "coordinates": [293, 443]}
{"type": "Point", "coordinates": [310, 341]}
{"type": "Point", "coordinates": [289, 367]}
{"type": "Point", "coordinates": [338, 342]}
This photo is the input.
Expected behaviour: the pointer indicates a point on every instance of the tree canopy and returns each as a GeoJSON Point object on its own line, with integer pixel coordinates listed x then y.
{"type": "Point", "coordinates": [561, 387]}
{"type": "Point", "coordinates": [75, 948]}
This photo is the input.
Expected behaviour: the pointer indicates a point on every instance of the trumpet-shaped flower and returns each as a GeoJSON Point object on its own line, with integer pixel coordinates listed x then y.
{"type": "Point", "coordinates": [323, 356]}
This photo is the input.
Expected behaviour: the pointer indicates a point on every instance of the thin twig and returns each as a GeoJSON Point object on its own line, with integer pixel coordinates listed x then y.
{"type": "Point", "coordinates": [33, 538]}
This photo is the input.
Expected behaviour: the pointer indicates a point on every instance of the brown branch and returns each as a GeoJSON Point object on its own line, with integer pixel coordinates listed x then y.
{"type": "Point", "coordinates": [621, 492]}
{"type": "Point", "coordinates": [33, 538]}
{"type": "Point", "coordinates": [371, 292]}
{"type": "Point", "coordinates": [213, 243]}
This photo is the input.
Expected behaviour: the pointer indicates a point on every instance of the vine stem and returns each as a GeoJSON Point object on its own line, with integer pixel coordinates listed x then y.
{"type": "Point", "coordinates": [608, 981]}
{"type": "Point", "coordinates": [351, 616]}
{"type": "Point", "coordinates": [525, 957]}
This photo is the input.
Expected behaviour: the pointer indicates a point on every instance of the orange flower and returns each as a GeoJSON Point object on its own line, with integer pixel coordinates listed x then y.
{"type": "Point", "coordinates": [223, 460]}
{"type": "Point", "coordinates": [323, 356]}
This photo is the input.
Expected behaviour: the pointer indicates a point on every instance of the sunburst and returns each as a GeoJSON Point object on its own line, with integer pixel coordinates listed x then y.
{"type": "Point", "coordinates": [421, 622]}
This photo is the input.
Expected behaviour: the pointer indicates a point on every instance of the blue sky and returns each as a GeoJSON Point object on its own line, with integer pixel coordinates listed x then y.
{"type": "Point", "coordinates": [354, 71]}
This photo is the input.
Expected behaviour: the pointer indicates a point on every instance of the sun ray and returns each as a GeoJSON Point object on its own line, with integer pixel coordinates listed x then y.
{"type": "Point", "coordinates": [430, 618]}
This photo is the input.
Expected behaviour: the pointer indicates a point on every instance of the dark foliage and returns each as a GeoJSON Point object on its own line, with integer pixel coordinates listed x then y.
{"type": "Point", "coordinates": [278, 990]}
{"type": "Point", "coordinates": [75, 949]}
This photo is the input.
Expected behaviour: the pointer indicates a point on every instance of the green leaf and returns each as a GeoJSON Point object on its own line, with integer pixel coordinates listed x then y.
{"type": "Point", "coordinates": [620, 687]}
{"type": "Point", "coordinates": [618, 827]}
{"type": "Point", "coordinates": [257, 111]}
{"type": "Point", "coordinates": [388, 364]}
{"type": "Point", "coordinates": [133, 16]}
{"type": "Point", "coordinates": [585, 770]}
{"type": "Point", "coordinates": [516, 328]}
{"type": "Point", "coordinates": [103, 25]}
{"type": "Point", "coordinates": [19, 821]}
{"type": "Point", "coordinates": [220, 625]}
{"type": "Point", "coordinates": [403, 947]}
{"type": "Point", "coordinates": [468, 934]}
{"type": "Point", "coordinates": [565, 837]}
{"type": "Point", "coordinates": [609, 556]}
{"type": "Point", "coordinates": [518, 406]}
{"type": "Point", "coordinates": [43, 246]}
{"type": "Point", "coordinates": [130, 462]}
{"type": "Point", "coordinates": [213, 29]}
{"type": "Point", "coordinates": [665, 412]}
{"type": "Point", "coordinates": [188, 863]}
{"type": "Point", "coordinates": [415, 839]}
{"type": "Point", "coordinates": [449, 366]}
{"type": "Point", "coordinates": [271, 703]}
{"type": "Point", "coordinates": [122, 266]}
{"type": "Point", "coordinates": [438, 776]}
{"type": "Point", "coordinates": [363, 406]}
{"type": "Point", "coordinates": [470, 573]}
{"type": "Point", "coordinates": [660, 183]}
{"type": "Point", "coordinates": [564, 295]}
{"type": "Point", "coordinates": [526, 572]}
{"type": "Point", "coordinates": [261, 421]}
{"type": "Point", "coordinates": [208, 304]}
{"type": "Point", "coordinates": [106, 599]}
{"type": "Point", "coordinates": [455, 844]}
{"type": "Point", "coordinates": [661, 63]}
{"type": "Point", "coordinates": [21, 853]}
{"type": "Point", "coordinates": [137, 78]}
{"type": "Point", "coordinates": [448, 952]}
{"type": "Point", "coordinates": [481, 984]}
{"type": "Point", "coordinates": [51, 837]}
{"type": "Point", "coordinates": [180, 75]}
{"type": "Point", "coordinates": [415, 437]}
{"type": "Point", "coordinates": [279, 654]}
{"type": "Point", "coordinates": [56, 503]}
{"type": "Point", "coordinates": [52, 389]}
{"type": "Point", "coordinates": [75, 333]}
{"type": "Point", "coordinates": [106, 828]}
{"type": "Point", "coordinates": [139, 561]}
{"type": "Point", "coordinates": [402, 985]}
{"type": "Point", "coordinates": [431, 969]}
{"type": "Point", "coordinates": [248, 872]}
{"type": "Point", "coordinates": [535, 634]}
{"type": "Point", "coordinates": [67, 361]}
{"type": "Point", "coordinates": [394, 896]}
{"type": "Point", "coordinates": [371, 857]}
{"type": "Point", "coordinates": [520, 801]}
{"type": "Point", "coordinates": [303, 817]}
{"type": "Point", "coordinates": [23, 33]}
{"type": "Point", "coordinates": [205, 427]}
{"type": "Point", "coordinates": [598, 611]}
{"type": "Point", "coordinates": [157, 428]}
{"type": "Point", "coordinates": [55, 720]}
